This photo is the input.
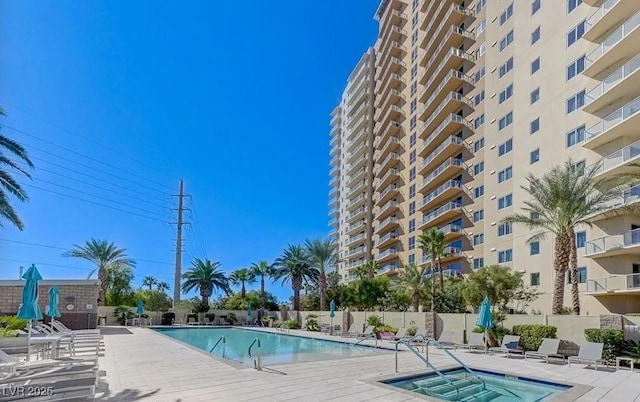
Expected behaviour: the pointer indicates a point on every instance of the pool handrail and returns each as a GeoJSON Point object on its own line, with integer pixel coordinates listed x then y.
{"type": "Point", "coordinates": [257, 362]}
{"type": "Point", "coordinates": [224, 346]}
{"type": "Point", "coordinates": [367, 337]}
{"type": "Point", "coordinates": [455, 358]}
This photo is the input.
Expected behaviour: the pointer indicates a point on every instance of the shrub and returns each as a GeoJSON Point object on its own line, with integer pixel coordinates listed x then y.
{"type": "Point", "coordinates": [168, 318]}
{"type": "Point", "coordinates": [531, 336]}
{"type": "Point", "coordinates": [413, 328]}
{"type": "Point", "coordinates": [495, 334]}
{"type": "Point", "coordinates": [7, 333]}
{"type": "Point", "coordinates": [293, 324]}
{"type": "Point", "coordinates": [210, 316]}
{"type": "Point", "coordinates": [192, 315]}
{"type": "Point", "coordinates": [122, 313]}
{"type": "Point", "coordinates": [375, 321]}
{"type": "Point", "coordinates": [13, 322]}
{"type": "Point", "coordinates": [613, 340]}
{"type": "Point", "coordinates": [385, 328]}
{"type": "Point", "coordinates": [311, 322]}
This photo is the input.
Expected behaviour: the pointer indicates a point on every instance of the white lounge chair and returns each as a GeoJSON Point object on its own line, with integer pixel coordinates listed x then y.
{"type": "Point", "coordinates": [60, 327]}
{"type": "Point", "coordinates": [509, 346]}
{"type": "Point", "coordinates": [476, 342]}
{"type": "Point", "coordinates": [589, 353]}
{"type": "Point", "coordinates": [401, 334]}
{"type": "Point", "coordinates": [446, 339]}
{"type": "Point", "coordinates": [368, 332]}
{"type": "Point", "coordinates": [548, 348]}
{"type": "Point", "coordinates": [351, 332]}
{"type": "Point", "coordinates": [192, 321]}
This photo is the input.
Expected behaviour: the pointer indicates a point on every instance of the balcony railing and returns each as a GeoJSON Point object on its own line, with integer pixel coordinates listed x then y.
{"type": "Point", "coordinates": [613, 118]}
{"type": "Point", "coordinates": [356, 250]}
{"type": "Point", "coordinates": [390, 172]}
{"type": "Point", "coordinates": [438, 130]}
{"type": "Point", "coordinates": [391, 267]}
{"type": "Point", "coordinates": [453, 30]}
{"type": "Point", "coordinates": [391, 219]}
{"type": "Point", "coordinates": [357, 212]}
{"type": "Point", "coordinates": [614, 78]}
{"type": "Point", "coordinates": [451, 228]}
{"type": "Point", "coordinates": [628, 197]}
{"type": "Point", "coordinates": [359, 186]}
{"type": "Point", "coordinates": [452, 73]}
{"type": "Point", "coordinates": [619, 34]}
{"type": "Point", "coordinates": [454, 51]}
{"type": "Point", "coordinates": [449, 184]}
{"type": "Point", "coordinates": [357, 161]}
{"type": "Point", "coordinates": [387, 252]}
{"type": "Point", "coordinates": [355, 175]}
{"type": "Point", "coordinates": [393, 155]}
{"type": "Point", "coordinates": [614, 283]}
{"type": "Point", "coordinates": [453, 95]}
{"type": "Point", "coordinates": [450, 206]}
{"type": "Point", "coordinates": [387, 190]}
{"type": "Point", "coordinates": [448, 252]}
{"type": "Point", "coordinates": [449, 162]}
{"type": "Point", "coordinates": [388, 236]}
{"type": "Point", "coordinates": [619, 157]}
{"type": "Point", "coordinates": [356, 225]}
{"type": "Point", "coordinates": [355, 264]}
{"type": "Point", "coordinates": [601, 12]}
{"type": "Point", "coordinates": [355, 238]}
{"type": "Point", "coordinates": [613, 242]}
{"type": "Point", "coordinates": [436, 152]}
{"type": "Point", "coordinates": [356, 200]}
{"type": "Point", "coordinates": [359, 148]}
{"type": "Point", "coordinates": [386, 206]}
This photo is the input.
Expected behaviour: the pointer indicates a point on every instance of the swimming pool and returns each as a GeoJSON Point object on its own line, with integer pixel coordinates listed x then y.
{"type": "Point", "coordinates": [494, 387]}
{"type": "Point", "coordinates": [275, 348]}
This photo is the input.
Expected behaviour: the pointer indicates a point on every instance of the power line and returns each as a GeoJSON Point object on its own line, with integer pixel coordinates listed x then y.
{"type": "Point", "coordinates": [197, 227]}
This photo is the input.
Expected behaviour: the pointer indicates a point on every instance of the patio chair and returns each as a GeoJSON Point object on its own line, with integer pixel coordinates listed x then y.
{"type": "Point", "coordinates": [336, 330]}
{"type": "Point", "coordinates": [548, 348]}
{"type": "Point", "coordinates": [60, 327]}
{"type": "Point", "coordinates": [368, 333]}
{"type": "Point", "coordinates": [11, 365]}
{"type": "Point", "coordinates": [400, 335]}
{"type": "Point", "coordinates": [192, 321]}
{"type": "Point", "coordinates": [446, 339]}
{"type": "Point", "coordinates": [476, 342]}
{"type": "Point", "coordinates": [206, 321]}
{"type": "Point", "coordinates": [509, 346]}
{"type": "Point", "coordinates": [350, 333]}
{"type": "Point", "coordinates": [589, 353]}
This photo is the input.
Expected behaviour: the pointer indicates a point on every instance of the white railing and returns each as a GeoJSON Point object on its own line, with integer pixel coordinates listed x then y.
{"type": "Point", "coordinates": [454, 51]}
{"type": "Point", "coordinates": [451, 228]}
{"type": "Point", "coordinates": [628, 197]}
{"type": "Point", "coordinates": [435, 173]}
{"type": "Point", "coordinates": [450, 206]}
{"type": "Point", "coordinates": [355, 238]}
{"type": "Point", "coordinates": [601, 12]}
{"type": "Point", "coordinates": [359, 186]}
{"type": "Point", "coordinates": [443, 104]}
{"type": "Point", "coordinates": [355, 226]}
{"type": "Point", "coordinates": [358, 149]}
{"type": "Point", "coordinates": [388, 236]}
{"type": "Point", "coordinates": [613, 39]}
{"type": "Point", "coordinates": [614, 78]}
{"type": "Point", "coordinates": [387, 252]}
{"type": "Point", "coordinates": [393, 155]}
{"type": "Point", "coordinates": [453, 73]}
{"type": "Point", "coordinates": [391, 219]}
{"type": "Point", "coordinates": [387, 190]}
{"type": "Point", "coordinates": [387, 268]}
{"type": "Point", "coordinates": [436, 152]}
{"type": "Point", "coordinates": [354, 176]}
{"type": "Point", "coordinates": [613, 118]}
{"type": "Point", "coordinates": [620, 157]}
{"type": "Point", "coordinates": [613, 242]}
{"type": "Point", "coordinates": [357, 161]}
{"type": "Point", "coordinates": [355, 135]}
{"type": "Point", "coordinates": [438, 130]}
{"type": "Point", "coordinates": [386, 206]}
{"type": "Point", "coordinates": [356, 200]}
{"type": "Point", "coordinates": [435, 193]}
{"type": "Point", "coordinates": [355, 264]}
{"type": "Point", "coordinates": [614, 283]}
{"type": "Point", "coordinates": [392, 171]}
{"type": "Point", "coordinates": [356, 250]}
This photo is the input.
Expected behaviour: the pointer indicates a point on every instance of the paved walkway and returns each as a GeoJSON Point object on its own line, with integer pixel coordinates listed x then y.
{"type": "Point", "coordinates": [140, 364]}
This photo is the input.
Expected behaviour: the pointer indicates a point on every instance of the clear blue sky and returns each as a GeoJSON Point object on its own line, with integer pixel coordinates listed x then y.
{"type": "Point", "coordinates": [234, 97]}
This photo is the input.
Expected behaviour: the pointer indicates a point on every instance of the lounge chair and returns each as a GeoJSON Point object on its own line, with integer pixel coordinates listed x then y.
{"type": "Point", "coordinates": [336, 330]}
{"type": "Point", "coordinates": [400, 335]}
{"type": "Point", "coordinates": [192, 321]}
{"type": "Point", "coordinates": [548, 348]}
{"type": "Point", "coordinates": [368, 333]}
{"type": "Point", "coordinates": [476, 342]}
{"type": "Point", "coordinates": [206, 321]}
{"type": "Point", "coordinates": [350, 333]}
{"type": "Point", "coordinates": [60, 327]}
{"type": "Point", "coordinates": [509, 346]}
{"type": "Point", "coordinates": [589, 353]}
{"type": "Point", "coordinates": [446, 339]}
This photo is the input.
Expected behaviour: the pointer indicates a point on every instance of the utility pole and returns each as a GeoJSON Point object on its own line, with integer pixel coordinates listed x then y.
{"type": "Point", "coordinates": [178, 272]}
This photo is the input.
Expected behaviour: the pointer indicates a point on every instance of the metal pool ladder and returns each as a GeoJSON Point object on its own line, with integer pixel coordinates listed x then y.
{"type": "Point", "coordinates": [224, 346]}
{"type": "Point", "coordinates": [257, 362]}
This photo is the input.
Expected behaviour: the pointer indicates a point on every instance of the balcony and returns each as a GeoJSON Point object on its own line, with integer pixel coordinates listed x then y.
{"type": "Point", "coordinates": [390, 65]}
{"type": "Point", "coordinates": [335, 212]}
{"type": "Point", "coordinates": [452, 81]}
{"type": "Point", "coordinates": [450, 146]}
{"type": "Point", "coordinates": [450, 254]}
{"type": "Point", "coordinates": [451, 232]}
{"type": "Point", "coordinates": [388, 178]}
{"type": "Point", "coordinates": [390, 145]}
{"type": "Point", "coordinates": [335, 137]}
{"type": "Point", "coordinates": [355, 264]}
{"type": "Point", "coordinates": [455, 15]}
{"type": "Point", "coordinates": [391, 160]}
{"type": "Point", "coordinates": [387, 224]}
{"type": "Point", "coordinates": [387, 239]}
{"type": "Point", "coordinates": [334, 191]}
{"type": "Point", "coordinates": [357, 175]}
{"type": "Point", "coordinates": [446, 191]}
{"type": "Point", "coordinates": [392, 127]}
{"type": "Point", "coordinates": [354, 239]}
{"type": "Point", "coordinates": [621, 44]}
{"type": "Point", "coordinates": [386, 209]}
{"type": "Point", "coordinates": [390, 113]}
{"type": "Point", "coordinates": [451, 125]}
{"type": "Point", "coordinates": [358, 135]}
{"type": "Point", "coordinates": [453, 103]}
{"type": "Point", "coordinates": [614, 285]}
{"type": "Point", "coordinates": [334, 171]}
{"type": "Point", "coordinates": [623, 83]}
{"type": "Point", "coordinates": [393, 97]}
{"type": "Point", "coordinates": [356, 202]}
{"type": "Point", "coordinates": [395, 81]}
{"type": "Point", "coordinates": [353, 215]}
{"type": "Point", "coordinates": [335, 150]}
{"type": "Point", "coordinates": [621, 122]}
{"type": "Point", "coordinates": [617, 162]}
{"type": "Point", "coordinates": [355, 227]}
{"type": "Point", "coordinates": [609, 246]}
{"type": "Point", "coordinates": [387, 254]}
{"type": "Point", "coordinates": [334, 202]}
{"type": "Point", "coordinates": [388, 268]}
{"type": "Point", "coordinates": [388, 193]}
{"type": "Point", "coordinates": [456, 37]}
{"type": "Point", "coordinates": [451, 167]}
{"type": "Point", "coordinates": [356, 252]}
{"type": "Point", "coordinates": [610, 14]}
{"type": "Point", "coordinates": [453, 59]}
{"type": "Point", "coordinates": [358, 163]}
{"type": "Point", "coordinates": [358, 151]}
{"type": "Point", "coordinates": [627, 197]}
{"type": "Point", "coordinates": [358, 187]}
{"type": "Point", "coordinates": [446, 212]}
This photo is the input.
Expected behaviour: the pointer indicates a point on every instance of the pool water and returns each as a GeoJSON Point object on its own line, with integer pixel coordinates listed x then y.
{"type": "Point", "coordinates": [459, 386]}
{"type": "Point", "coordinates": [275, 348]}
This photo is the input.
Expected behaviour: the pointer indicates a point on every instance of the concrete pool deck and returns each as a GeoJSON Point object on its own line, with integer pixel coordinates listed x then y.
{"type": "Point", "coordinates": [141, 364]}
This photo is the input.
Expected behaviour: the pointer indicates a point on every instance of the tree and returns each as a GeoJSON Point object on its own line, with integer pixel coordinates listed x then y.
{"type": "Point", "coordinates": [413, 279]}
{"type": "Point", "coordinates": [558, 202]}
{"type": "Point", "coordinates": [365, 294]}
{"type": "Point", "coordinates": [264, 270]}
{"type": "Point", "coordinates": [324, 255]}
{"type": "Point", "coordinates": [157, 300]}
{"type": "Point", "coordinates": [149, 281]}
{"type": "Point", "coordinates": [253, 298]}
{"type": "Point", "coordinates": [205, 276]}
{"type": "Point", "coordinates": [8, 183]}
{"type": "Point", "coordinates": [295, 266]}
{"type": "Point", "coordinates": [118, 285]}
{"type": "Point", "coordinates": [367, 270]}
{"type": "Point", "coordinates": [500, 284]}
{"type": "Point", "coordinates": [162, 286]}
{"type": "Point", "coordinates": [105, 256]}
{"type": "Point", "coordinates": [434, 244]}
{"type": "Point", "coordinates": [452, 299]}
{"type": "Point", "coordinates": [242, 277]}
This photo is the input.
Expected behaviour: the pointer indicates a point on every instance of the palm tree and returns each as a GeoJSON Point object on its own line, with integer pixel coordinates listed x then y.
{"type": "Point", "coordinates": [242, 277]}
{"type": "Point", "coordinates": [149, 281]}
{"type": "Point", "coordinates": [205, 276]}
{"type": "Point", "coordinates": [295, 266]}
{"type": "Point", "coordinates": [162, 286]}
{"type": "Point", "coordinates": [367, 270]}
{"type": "Point", "coordinates": [262, 269]}
{"type": "Point", "coordinates": [8, 184]}
{"type": "Point", "coordinates": [105, 256]}
{"type": "Point", "coordinates": [561, 200]}
{"type": "Point", "coordinates": [434, 244]}
{"type": "Point", "coordinates": [413, 279]}
{"type": "Point", "coordinates": [324, 255]}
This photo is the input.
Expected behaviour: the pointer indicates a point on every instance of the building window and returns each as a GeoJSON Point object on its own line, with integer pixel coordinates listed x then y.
{"type": "Point", "coordinates": [412, 156]}
{"type": "Point", "coordinates": [582, 275]}
{"type": "Point", "coordinates": [478, 168]}
{"type": "Point", "coordinates": [481, 50]}
{"type": "Point", "coordinates": [412, 207]}
{"type": "Point", "coordinates": [414, 88]}
{"type": "Point", "coordinates": [576, 33]}
{"type": "Point", "coordinates": [572, 4]}
{"type": "Point", "coordinates": [412, 242]}
{"type": "Point", "coordinates": [412, 258]}
{"type": "Point", "coordinates": [480, 5]}
{"type": "Point", "coordinates": [478, 239]}
{"type": "Point", "coordinates": [480, 74]}
{"type": "Point", "coordinates": [412, 139]}
{"type": "Point", "coordinates": [506, 14]}
{"type": "Point", "coordinates": [576, 136]}
{"type": "Point", "coordinates": [534, 248]}
{"type": "Point", "coordinates": [478, 145]}
{"type": "Point", "coordinates": [478, 192]}
{"type": "Point", "coordinates": [505, 174]}
{"type": "Point", "coordinates": [535, 96]}
{"type": "Point", "coordinates": [535, 6]}
{"type": "Point", "coordinates": [478, 215]}
{"type": "Point", "coordinates": [506, 41]}
{"type": "Point", "coordinates": [505, 147]}
{"type": "Point", "coordinates": [413, 105]}
{"type": "Point", "coordinates": [535, 35]}
{"type": "Point", "coordinates": [534, 215]}
{"type": "Point", "coordinates": [505, 121]}
{"type": "Point", "coordinates": [581, 239]}
{"type": "Point", "coordinates": [478, 263]}
{"type": "Point", "coordinates": [535, 66]}
{"type": "Point", "coordinates": [481, 27]}
{"type": "Point", "coordinates": [504, 229]}
{"type": "Point", "coordinates": [575, 102]}
{"type": "Point", "coordinates": [535, 278]}
{"type": "Point", "coordinates": [412, 173]}
{"type": "Point", "coordinates": [505, 256]}
{"type": "Point", "coordinates": [413, 122]}
{"type": "Point", "coordinates": [576, 67]}
{"type": "Point", "coordinates": [412, 191]}
{"type": "Point", "coordinates": [414, 37]}
{"type": "Point", "coordinates": [505, 201]}
{"type": "Point", "coordinates": [534, 156]}
{"type": "Point", "coordinates": [505, 94]}
{"type": "Point", "coordinates": [412, 225]}
{"type": "Point", "coordinates": [505, 67]}
{"type": "Point", "coordinates": [478, 98]}
{"type": "Point", "coordinates": [479, 121]}
{"type": "Point", "coordinates": [534, 126]}
{"type": "Point", "coordinates": [579, 167]}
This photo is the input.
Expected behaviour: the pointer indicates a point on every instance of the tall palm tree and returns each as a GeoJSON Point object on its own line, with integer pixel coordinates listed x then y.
{"type": "Point", "coordinates": [558, 202]}
{"type": "Point", "coordinates": [367, 270]}
{"type": "Point", "coordinates": [8, 184]}
{"type": "Point", "coordinates": [264, 270]}
{"type": "Point", "coordinates": [242, 277]}
{"type": "Point", "coordinates": [149, 281]}
{"type": "Point", "coordinates": [414, 280]}
{"type": "Point", "coordinates": [162, 286]}
{"type": "Point", "coordinates": [433, 243]}
{"type": "Point", "coordinates": [324, 255]}
{"type": "Point", "coordinates": [205, 276]}
{"type": "Point", "coordinates": [295, 266]}
{"type": "Point", "coordinates": [105, 256]}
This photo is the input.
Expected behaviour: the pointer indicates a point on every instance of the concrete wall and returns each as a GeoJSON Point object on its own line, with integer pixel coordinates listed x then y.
{"type": "Point", "coordinates": [80, 294]}
{"type": "Point", "coordinates": [181, 315]}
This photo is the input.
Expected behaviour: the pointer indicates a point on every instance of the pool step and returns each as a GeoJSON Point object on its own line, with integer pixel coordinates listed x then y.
{"type": "Point", "coordinates": [486, 395]}
{"type": "Point", "coordinates": [465, 389]}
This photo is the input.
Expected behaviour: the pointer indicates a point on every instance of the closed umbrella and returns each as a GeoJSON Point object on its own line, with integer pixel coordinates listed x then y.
{"type": "Point", "coordinates": [29, 309]}
{"type": "Point", "coordinates": [332, 312]}
{"type": "Point", "coordinates": [249, 313]}
{"type": "Point", "coordinates": [485, 319]}
{"type": "Point", "coordinates": [54, 299]}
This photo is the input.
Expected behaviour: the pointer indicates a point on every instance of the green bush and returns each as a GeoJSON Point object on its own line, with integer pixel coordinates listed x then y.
{"type": "Point", "coordinates": [7, 333]}
{"type": "Point", "coordinates": [413, 328]}
{"type": "Point", "coordinates": [168, 318]}
{"type": "Point", "coordinates": [385, 328]}
{"type": "Point", "coordinates": [613, 340]}
{"type": "Point", "coordinates": [375, 321]}
{"type": "Point", "coordinates": [192, 315]}
{"type": "Point", "coordinates": [311, 322]}
{"type": "Point", "coordinates": [210, 316]}
{"type": "Point", "coordinates": [294, 324]}
{"type": "Point", "coordinates": [123, 313]}
{"type": "Point", "coordinates": [13, 322]}
{"type": "Point", "coordinates": [232, 319]}
{"type": "Point", "coordinates": [531, 336]}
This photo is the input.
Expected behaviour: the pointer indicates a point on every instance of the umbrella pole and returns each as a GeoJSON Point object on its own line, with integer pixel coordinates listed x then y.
{"type": "Point", "coordinates": [486, 338]}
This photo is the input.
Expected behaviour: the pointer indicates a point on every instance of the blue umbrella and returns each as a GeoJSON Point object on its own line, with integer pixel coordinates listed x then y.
{"type": "Point", "coordinates": [54, 299]}
{"type": "Point", "coordinates": [485, 318]}
{"type": "Point", "coordinates": [29, 309]}
{"type": "Point", "coordinates": [140, 309]}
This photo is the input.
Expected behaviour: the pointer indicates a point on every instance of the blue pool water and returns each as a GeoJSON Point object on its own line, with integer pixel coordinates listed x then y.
{"type": "Point", "coordinates": [275, 348]}
{"type": "Point", "coordinates": [494, 387]}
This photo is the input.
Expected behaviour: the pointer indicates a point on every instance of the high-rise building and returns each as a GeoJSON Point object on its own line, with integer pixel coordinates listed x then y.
{"type": "Point", "coordinates": [470, 98]}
